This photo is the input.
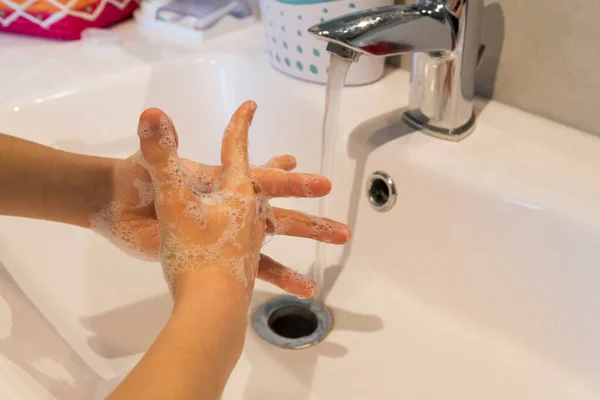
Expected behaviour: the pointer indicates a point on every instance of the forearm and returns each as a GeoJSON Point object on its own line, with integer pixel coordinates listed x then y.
{"type": "Point", "coordinates": [44, 183]}
{"type": "Point", "coordinates": [195, 353]}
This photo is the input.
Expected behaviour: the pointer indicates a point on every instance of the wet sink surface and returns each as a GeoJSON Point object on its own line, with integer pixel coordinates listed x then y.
{"type": "Point", "coordinates": [481, 281]}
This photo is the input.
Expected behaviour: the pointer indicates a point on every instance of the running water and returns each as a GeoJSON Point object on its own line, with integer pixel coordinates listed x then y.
{"type": "Point", "coordinates": [338, 69]}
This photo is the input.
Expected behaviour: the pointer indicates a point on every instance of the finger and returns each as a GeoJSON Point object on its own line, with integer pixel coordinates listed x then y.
{"type": "Point", "coordinates": [234, 151]}
{"type": "Point", "coordinates": [280, 183]}
{"type": "Point", "coordinates": [298, 224]}
{"type": "Point", "coordinates": [287, 163]}
{"type": "Point", "coordinates": [159, 155]}
{"type": "Point", "coordinates": [285, 278]}
{"type": "Point", "coordinates": [271, 182]}
{"type": "Point", "coordinates": [204, 176]}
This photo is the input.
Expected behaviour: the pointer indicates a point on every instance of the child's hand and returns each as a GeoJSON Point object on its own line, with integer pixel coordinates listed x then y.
{"type": "Point", "coordinates": [221, 231]}
{"type": "Point", "coordinates": [130, 221]}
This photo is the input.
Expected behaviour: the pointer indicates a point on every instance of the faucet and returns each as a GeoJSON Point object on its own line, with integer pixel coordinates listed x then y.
{"type": "Point", "coordinates": [443, 37]}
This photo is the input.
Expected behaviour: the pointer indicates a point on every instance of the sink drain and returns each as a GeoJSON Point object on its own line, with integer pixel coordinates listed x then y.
{"type": "Point", "coordinates": [292, 323]}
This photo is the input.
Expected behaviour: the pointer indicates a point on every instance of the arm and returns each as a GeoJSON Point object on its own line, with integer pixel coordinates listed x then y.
{"type": "Point", "coordinates": [43, 183]}
{"type": "Point", "coordinates": [195, 353]}
{"type": "Point", "coordinates": [210, 249]}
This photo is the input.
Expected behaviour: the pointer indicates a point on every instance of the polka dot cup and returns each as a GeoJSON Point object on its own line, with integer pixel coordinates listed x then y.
{"type": "Point", "coordinates": [293, 51]}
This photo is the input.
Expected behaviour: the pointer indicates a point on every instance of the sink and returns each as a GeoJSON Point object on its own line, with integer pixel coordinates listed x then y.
{"type": "Point", "coordinates": [480, 282]}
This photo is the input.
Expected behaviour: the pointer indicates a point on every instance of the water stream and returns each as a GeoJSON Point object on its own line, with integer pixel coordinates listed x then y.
{"type": "Point", "coordinates": [338, 69]}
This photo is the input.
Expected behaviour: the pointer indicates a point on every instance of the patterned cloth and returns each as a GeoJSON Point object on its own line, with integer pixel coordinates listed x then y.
{"type": "Point", "coordinates": [61, 19]}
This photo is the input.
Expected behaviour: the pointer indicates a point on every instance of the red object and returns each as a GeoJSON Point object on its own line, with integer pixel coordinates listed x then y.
{"type": "Point", "coordinates": [379, 49]}
{"type": "Point", "coordinates": [68, 27]}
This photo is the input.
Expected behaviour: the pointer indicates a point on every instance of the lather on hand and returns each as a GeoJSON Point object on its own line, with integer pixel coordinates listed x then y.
{"type": "Point", "coordinates": [116, 198]}
{"type": "Point", "coordinates": [129, 216]}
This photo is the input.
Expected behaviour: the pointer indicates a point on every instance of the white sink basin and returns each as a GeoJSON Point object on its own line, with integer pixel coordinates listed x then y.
{"type": "Point", "coordinates": [481, 282]}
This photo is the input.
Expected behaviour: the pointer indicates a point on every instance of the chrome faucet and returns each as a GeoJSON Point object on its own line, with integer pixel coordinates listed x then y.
{"type": "Point", "coordinates": [443, 36]}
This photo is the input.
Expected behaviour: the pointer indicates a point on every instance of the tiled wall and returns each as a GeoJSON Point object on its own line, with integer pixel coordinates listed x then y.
{"type": "Point", "coordinates": [544, 57]}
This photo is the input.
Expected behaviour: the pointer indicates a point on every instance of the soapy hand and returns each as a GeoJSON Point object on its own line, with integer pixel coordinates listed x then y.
{"type": "Point", "coordinates": [130, 218]}
{"type": "Point", "coordinates": [219, 231]}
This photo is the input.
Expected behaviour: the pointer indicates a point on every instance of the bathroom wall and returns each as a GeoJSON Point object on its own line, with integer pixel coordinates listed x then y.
{"type": "Point", "coordinates": [544, 57]}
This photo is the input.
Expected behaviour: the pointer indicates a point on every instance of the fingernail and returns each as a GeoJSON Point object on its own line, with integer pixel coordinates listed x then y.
{"type": "Point", "coordinates": [252, 105]}
{"type": "Point", "coordinates": [148, 124]}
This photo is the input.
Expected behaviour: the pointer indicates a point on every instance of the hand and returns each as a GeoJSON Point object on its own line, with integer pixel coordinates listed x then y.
{"type": "Point", "coordinates": [129, 219]}
{"type": "Point", "coordinates": [210, 249]}
{"type": "Point", "coordinates": [219, 231]}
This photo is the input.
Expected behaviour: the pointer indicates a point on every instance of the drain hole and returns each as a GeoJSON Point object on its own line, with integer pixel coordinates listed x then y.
{"type": "Point", "coordinates": [379, 192]}
{"type": "Point", "coordinates": [293, 322]}
{"type": "Point", "coordinates": [290, 323]}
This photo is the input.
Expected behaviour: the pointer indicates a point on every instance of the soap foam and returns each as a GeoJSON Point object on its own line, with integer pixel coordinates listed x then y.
{"type": "Point", "coordinates": [108, 223]}
{"type": "Point", "coordinates": [196, 211]}
{"type": "Point", "coordinates": [295, 277]}
{"type": "Point", "coordinates": [201, 178]}
{"type": "Point", "coordinates": [279, 226]}
{"type": "Point", "coordinates": [218, 248]}
{"type": "Point", "coordinates": [139, 159]}
{"type": "Point", "coordinates": [144, 130]}
{"type": "Point", "coordinates": [167, 138]}
{"type": "Point", "coordinates": [145, 192]}
{"type": "Point", "coordinates": [203, 240]}
{"type": "Point", "coordinates": [307, 181]}
{"type": "Point", "coordinates": [319, 227]}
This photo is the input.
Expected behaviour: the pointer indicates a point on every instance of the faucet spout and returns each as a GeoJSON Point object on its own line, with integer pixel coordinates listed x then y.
{"type": "Point", "coordinates": [386, 31]}
{"type": "Point", "coordinates": [443, 37]}
{"type": "Point", "coordinates": [343, 51]}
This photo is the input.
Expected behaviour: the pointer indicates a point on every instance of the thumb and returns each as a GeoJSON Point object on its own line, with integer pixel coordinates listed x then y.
{"type": "Point", "coordinates": [158, 145]}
